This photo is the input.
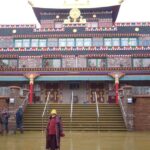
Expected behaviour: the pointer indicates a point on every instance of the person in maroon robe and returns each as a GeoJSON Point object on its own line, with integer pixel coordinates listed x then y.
{"type": "Point", "coordinates": [54, 131]}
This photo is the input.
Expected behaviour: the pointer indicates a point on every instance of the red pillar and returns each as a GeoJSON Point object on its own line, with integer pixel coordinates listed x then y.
{"type": "Point", "coordinates": [31, 93]}
{"type": "Point", "coordinates": [31, 77]}
{"type": "Point", "coordinates": [116, 86]}
{"type": "Point", "coordinates": [116, 76]}
{"type": "Point", "coordinates": [116, 91]}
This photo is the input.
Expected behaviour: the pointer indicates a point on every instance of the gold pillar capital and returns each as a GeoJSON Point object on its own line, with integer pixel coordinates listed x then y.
{"type": "Point", "coordinates": [31, 77]}
{"type": "Point", "coordinates": [116, 76]}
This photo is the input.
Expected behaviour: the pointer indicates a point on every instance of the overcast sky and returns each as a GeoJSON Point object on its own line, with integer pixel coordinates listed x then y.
{"type": "Point", "coordinates": [20, 12]}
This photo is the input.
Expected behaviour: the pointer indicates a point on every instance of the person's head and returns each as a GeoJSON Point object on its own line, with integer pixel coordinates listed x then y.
{"type": "Point", "coordinates": [20, 107]}
{"type": "Point", "coordinates": [53, 112]}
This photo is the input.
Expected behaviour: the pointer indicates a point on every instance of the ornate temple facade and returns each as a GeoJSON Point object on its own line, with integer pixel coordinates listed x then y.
{"type": "Point", "coordinates": [79, 50]}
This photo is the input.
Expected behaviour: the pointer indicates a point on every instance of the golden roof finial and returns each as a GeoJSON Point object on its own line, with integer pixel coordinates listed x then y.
{"type": "Point", "coordinates": [121, 1]}
{"type": "Point", "coordinates": [30, 2]}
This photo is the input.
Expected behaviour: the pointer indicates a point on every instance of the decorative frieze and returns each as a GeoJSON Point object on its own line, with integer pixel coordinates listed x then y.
{"type": "Point", "coordinates": [101, 29]}
{"type": "Point", "coordinates": [48, 30]}
{"type": "Point", "coordinates": [122, 24]}
{"type": "Point", "coordinates": [18, 26]}
{"type": "Point", "coordinates": [90, 48]}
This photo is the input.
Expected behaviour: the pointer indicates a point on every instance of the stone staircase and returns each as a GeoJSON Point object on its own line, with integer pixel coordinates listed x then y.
{"type": "Point", "coordinates": [84, 117]}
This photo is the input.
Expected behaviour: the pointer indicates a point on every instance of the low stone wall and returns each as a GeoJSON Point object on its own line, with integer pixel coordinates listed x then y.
{"type": "Point", "coordinates": [142, 113]}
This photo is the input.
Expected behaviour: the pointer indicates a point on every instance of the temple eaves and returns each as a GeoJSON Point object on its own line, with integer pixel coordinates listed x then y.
{"type": "Point", "coordinates": [67, 4]}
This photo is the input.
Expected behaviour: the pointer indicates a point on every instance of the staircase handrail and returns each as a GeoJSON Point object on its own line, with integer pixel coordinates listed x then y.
{"type": "Point", "coordinates": [123, 111]}
{"type": "Point", "coordinates": [97, 108]}
{"type": "Point", "coordinates": [25, 102]}
{"type": "Point", "coordinates": [71, 106]}
{"type": "Point", "coordinates": [47, 100]}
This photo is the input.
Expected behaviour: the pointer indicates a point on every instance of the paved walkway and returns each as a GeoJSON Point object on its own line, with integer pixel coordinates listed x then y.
{"type": "Point", "coordinates": [79, 141]}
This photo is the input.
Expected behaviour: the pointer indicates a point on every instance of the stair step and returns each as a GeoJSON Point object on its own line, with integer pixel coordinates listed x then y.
{"type": "Point", "coordinates": [84, 117]}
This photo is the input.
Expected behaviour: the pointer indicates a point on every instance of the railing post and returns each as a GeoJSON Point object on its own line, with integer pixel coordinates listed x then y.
{"type": "Point", "coordinates": [123, 111]}
{"type": "Point", "coordinates": [71, 108]}
{"type": "Point", "coordinates": [97, 108]}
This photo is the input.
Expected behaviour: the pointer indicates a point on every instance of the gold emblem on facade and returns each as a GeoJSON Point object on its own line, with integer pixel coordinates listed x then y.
{"type": "Point", "coordinates": [75, 17]}
{"type": "Point", "coordinates": [75, 13]}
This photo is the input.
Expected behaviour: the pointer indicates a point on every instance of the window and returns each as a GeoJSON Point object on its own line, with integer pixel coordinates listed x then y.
{"type": "Point", "coordinates": [26, 43]}
{"type": "Point", "coordinates": [140, 41]}
{"type": "Point", "coordinates": [30, 62]}
{"type": "Point", "coordinates": [34, 42]}
{"type": "Point", "coordinates": [107, 42]}
{"type": "Point", "coordinates": [146, 62]}
{"type": "Point", "coordinates": [75, 42]}
{"type": "Point", "coordinates": [137, 62]}
{"type": "Point", "coordinates": [83, 42]}
{"type": "Point", "coordinates": [97, 41]}
{"type": "Point", "coordinates": [6, 43]}
{"type": "Point", "coordinates": [129, 42]}
{"type": "Point", "coordinates": [119, 62]}
{"type": "Point", "coordinates": [70, 42]}
{"type": "Point", "coordinates": [52, 42]}
{"type": "Point", "coordinates": [56, 63]}
{"type": "Point", "coordinates": [52, 63]}
{"type": "Point", "coordinates": [18, 43]}
{"type": "Point", "coordinates": [124, 42]}
{"type": "Point", "coordinates": [42, 42]}
{"type": "Point", "coordinates": [145, 41]}
{"type": "Point", "coordinates": [62, 42]}
{"type": "Point", "coordinates": [115, 42]}
{"type": "Point", "coordinates": [87, 42]}
{"type": "Point", "coordinates": [101, 63]}
{"type": "Point", "coordinates": [98, 62]}
{"type": "Point", "coordinates": [141, 62]}
{"type": "Point", "coordinates": [79, 42]}
{"type": "Point", "coordinates": [132, 41]}
{"type": "Point", "coordinates": [9, 62]}
{"type": "Point", "coordinates": [2, 43]}
{"type": "Point", "coordinates": [91, 62]}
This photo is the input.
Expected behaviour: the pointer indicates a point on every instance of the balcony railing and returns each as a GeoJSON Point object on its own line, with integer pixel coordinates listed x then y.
{"type": "Point", "coordinates": [91, 48]}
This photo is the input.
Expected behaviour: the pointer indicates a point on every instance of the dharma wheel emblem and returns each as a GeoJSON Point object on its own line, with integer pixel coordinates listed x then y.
{"type": "Point", "coordinates": [75, 13]}
{"type": "Point", "coordinates": [75, 17]}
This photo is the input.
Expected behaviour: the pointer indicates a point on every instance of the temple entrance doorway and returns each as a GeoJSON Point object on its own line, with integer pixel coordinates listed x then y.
{"type": "Point", "coordinates": [53, 89]}
{"type": "Point", "coordinates": [97, 90]}
{"type": "Point", "coordinates": [75, 89]}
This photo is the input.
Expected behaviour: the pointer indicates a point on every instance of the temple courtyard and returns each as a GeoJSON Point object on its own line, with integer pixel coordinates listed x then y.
{"type": "Point", "coordinates": [79, 141]}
